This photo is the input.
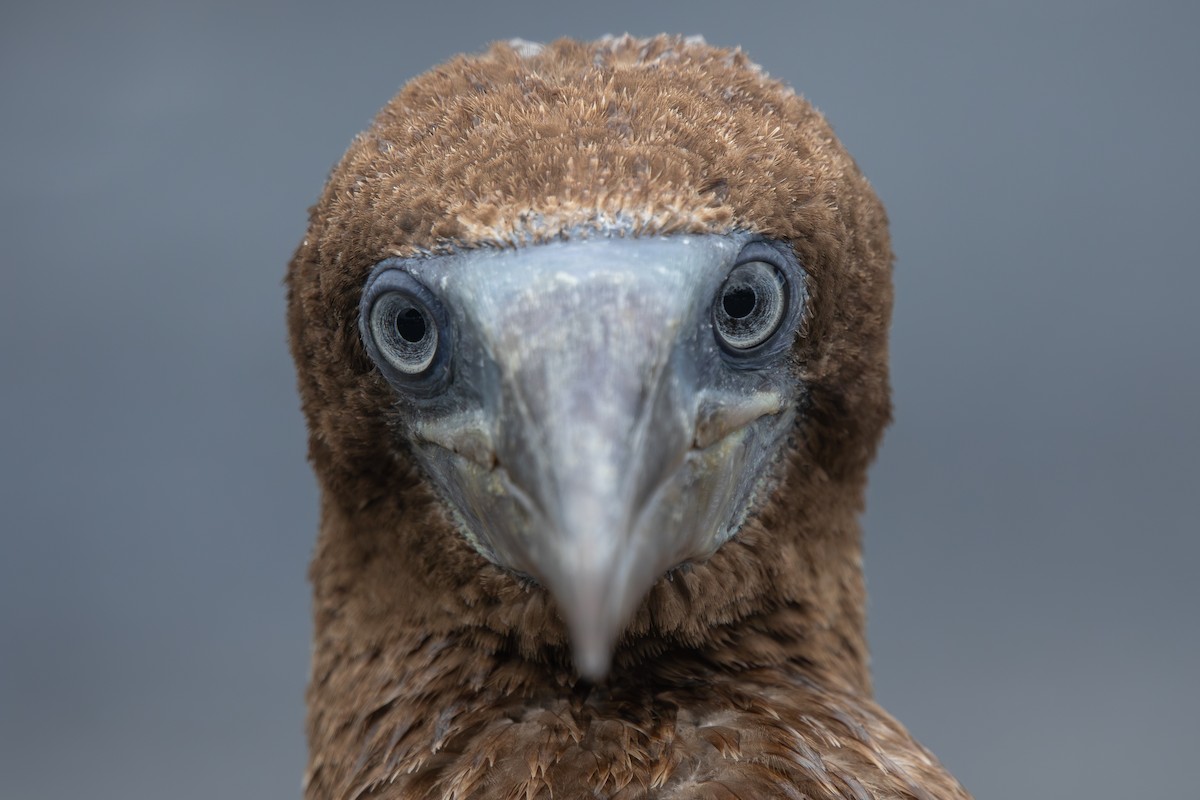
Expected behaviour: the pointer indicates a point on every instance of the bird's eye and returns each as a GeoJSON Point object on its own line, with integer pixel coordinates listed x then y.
{"type": "Point", "coordinates": [751, 305]}
{"type": "Point", "coordinates": [405, 332]}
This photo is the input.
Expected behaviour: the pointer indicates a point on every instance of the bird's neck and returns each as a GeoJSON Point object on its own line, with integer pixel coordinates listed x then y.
{"type": "Point", "coordinates": [422, 668]}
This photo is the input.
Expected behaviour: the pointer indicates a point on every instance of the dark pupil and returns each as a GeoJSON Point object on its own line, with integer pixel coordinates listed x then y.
{"type": "Point", "coordinates": [410, 324]}
{"type": "Point", "coordinates": [739, 302]}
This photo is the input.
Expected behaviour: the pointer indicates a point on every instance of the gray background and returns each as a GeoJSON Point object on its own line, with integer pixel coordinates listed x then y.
{"type": "Point", "coordinates": [1031, 538]}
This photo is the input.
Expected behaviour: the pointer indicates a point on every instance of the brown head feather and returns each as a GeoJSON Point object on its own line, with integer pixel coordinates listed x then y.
{"type": "Point", "coordinates": [437, 674]}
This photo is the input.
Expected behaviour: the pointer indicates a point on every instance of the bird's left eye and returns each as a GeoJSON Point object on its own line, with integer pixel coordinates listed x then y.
{"type": "Point", "coordinates": [750, 306]}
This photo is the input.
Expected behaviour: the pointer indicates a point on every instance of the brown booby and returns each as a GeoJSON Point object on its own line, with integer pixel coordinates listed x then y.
{"type": "Point", "coordinates": [592, 346]}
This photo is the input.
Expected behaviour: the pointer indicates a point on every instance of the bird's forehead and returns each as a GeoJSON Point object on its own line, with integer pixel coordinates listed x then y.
{"type": "Point", "coordinates": [669, 136]}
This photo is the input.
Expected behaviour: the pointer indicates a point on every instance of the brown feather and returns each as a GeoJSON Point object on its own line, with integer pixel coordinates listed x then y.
{"type": "Point", "coordinates": [437, 674]}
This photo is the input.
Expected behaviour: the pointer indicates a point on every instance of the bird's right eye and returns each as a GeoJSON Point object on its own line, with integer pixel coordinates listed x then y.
{"type": "Point", "coordinates": [405, 332]}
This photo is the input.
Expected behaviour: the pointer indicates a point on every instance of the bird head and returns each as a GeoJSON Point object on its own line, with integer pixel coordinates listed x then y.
{"type": "Point", "coordinates": [569, 319]}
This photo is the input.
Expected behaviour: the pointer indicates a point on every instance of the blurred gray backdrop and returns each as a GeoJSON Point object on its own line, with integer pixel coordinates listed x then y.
{"type": "Point", "coordinates": [1032, 547]}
